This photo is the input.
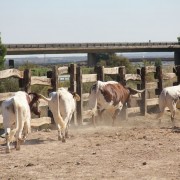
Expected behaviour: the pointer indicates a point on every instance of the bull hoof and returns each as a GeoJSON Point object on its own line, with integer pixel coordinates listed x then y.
{"type": "Point", "coordinates": [63, 140]}
{"type": "Point", "coordinates": [59, 138]}
{"type": "Point", "coordinates": [7, 150]}
{"type": "Point", "coordinates": [67, 136]}
{"type": "Point", "coordinates": [17, 148]}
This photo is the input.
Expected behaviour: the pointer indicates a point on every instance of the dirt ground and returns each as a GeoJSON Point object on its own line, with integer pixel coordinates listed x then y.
{"type": "Point", "coordinates": [134, 149]}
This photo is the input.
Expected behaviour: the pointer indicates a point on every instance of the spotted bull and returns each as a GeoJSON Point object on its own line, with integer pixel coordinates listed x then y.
{"type": "Point", "coordinates": [111, 96]}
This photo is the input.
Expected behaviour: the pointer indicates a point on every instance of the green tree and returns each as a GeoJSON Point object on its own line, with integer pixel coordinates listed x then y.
{"type": "Point", "coordinates": [158, 62]}
{"type": "Point", "coordinates": [2, 54]}
{"type": "Point", "coordinates": [178, 38]}
{"type": "Point", "coordinates": [113, 60]}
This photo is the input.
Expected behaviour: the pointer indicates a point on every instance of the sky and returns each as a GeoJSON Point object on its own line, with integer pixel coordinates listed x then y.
{"type": "Point", "coordinates": [78, 21]}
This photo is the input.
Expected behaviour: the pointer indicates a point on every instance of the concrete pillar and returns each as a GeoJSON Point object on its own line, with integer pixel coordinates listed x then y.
{"type": "Point", "coordinates": [91, 61]}
{"type": "Point", "coordinates": [177, 57]}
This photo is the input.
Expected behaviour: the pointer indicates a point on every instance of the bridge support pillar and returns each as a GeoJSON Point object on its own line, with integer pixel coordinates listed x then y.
{"type": "Point", "coordinates": [91, 61]}
{"type": "Point", "coordinates": [177, 57]}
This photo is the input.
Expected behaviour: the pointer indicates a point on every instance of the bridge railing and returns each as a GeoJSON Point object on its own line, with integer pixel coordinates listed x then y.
{"type": "Point", "coordinates": [89, 45]}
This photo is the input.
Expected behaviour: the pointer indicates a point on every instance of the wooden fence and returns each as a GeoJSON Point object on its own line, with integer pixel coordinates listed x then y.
{"type": "Point", "coordinates": [77, 79]}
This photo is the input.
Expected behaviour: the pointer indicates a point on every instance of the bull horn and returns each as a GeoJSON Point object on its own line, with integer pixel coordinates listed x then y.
{"type": "Point", "coordinates": [43, 97]}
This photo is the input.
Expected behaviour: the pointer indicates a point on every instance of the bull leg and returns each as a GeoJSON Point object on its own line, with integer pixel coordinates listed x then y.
{"type": "Point", "coordinates": [100, 114]}
{"type": "Point", "coordinates": [61, 134]}
{"type": "Point", "coordinates": [63, 139]}
{"type": "Point", "coordinates": [66, 131]}
{"type": "Point", "coordinates": [172, 118]}
{"type": "Point", "coordinates": [160, 114]}
{"type": "Point", "coordinates": [99, 117]}
{"type": "Point", "coordinates": [116, 113]}
{"type": "Point", "coordinates": [67, 122]}
{"type": "Point", "coordinates": [26, 130]}
{"type": "Point", "coordinates": [173, 111]}
{"type": "Point", "coordinates": [9, 138]}
{"type": "Point", "coordinates": [18, 142]}
{"type": "Point", "coordinates": [7, 143]}
{"type": "Point", "coordinates": [19, 135]}
{"type": "Point", "coordinates": [94, 121]}
{"type": "Point", "coordinates": [159, 117]}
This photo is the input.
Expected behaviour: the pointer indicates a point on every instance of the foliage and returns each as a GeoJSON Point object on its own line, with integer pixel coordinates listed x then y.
{"type": "Point", "coordinates": [178, 38]}
{"type": "Point", "coordinates": [64, 84]}
{"type": "Point", "coordinates": [147, 63]}
{"type": "Point", "coordinates": [86, 70]}
{"type": "Point", "coordinates": [113, 60]}
{"type": "Point", "coordinates": [2, 54]}
{"type": "Point", "coordinates": [36, 70]}
{"type": "Point", "coordinates": [9, 85]}
{"type": "Point", "coordinates": [158, 62]}
{"type": "Point", "coordinates": [12, 84]}
{"type": "Point", "coordinates": [40, 89]}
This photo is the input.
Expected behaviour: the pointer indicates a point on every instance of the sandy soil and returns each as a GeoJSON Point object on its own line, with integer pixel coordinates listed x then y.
{"type": "Point", "coordinates": [133, 149]}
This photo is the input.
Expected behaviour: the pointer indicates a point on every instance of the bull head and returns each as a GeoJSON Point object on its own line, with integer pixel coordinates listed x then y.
{"type": "Point", "coordinates": [34, 103]}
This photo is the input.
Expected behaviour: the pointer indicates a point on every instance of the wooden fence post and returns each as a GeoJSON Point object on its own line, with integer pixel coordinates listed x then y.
{"type": "Point", "coordinates": [122, 73]}
{"type": "Point", "coordinates": [138, 71]}
{"type": "Point", "coordinates": [73, 87]}
{"type": "Point", "coordinates": [158, 75]}
{"type": "Point", "coordinates": [121, 79]}
{"type": "Point", "coordinates": [50, 75]}
{"type": "Point", "coordinates": [79, 92]}
{"type": "Point", "coordinates": [144, 94]}
{"type": "Point", "coordinates": [178, 74]}
{"type": "Point", "coordinates": [100, 73]}
{"type": "Point", "coordinates": [54, 81]}
{"type": "Point", "coordinates": [27, 80]}
{"type": "Point", "coordinates": [11, 63]}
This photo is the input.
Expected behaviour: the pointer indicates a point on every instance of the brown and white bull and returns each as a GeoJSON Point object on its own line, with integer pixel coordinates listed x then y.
{"type": "Point", "coordinates": [16, 112]}
{"type": "Point", "coordinates": [169, 98]}
{"type": "Point", "coordinates": [62, 105]}
{"type": "Point", "coordinates": [109, 95]}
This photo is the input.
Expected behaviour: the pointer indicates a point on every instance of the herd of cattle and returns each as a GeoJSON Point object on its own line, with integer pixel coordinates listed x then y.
{"type": "Point", "coordinates": [111, 96]}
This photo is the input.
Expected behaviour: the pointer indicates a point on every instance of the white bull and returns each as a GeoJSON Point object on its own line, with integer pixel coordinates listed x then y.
{"type": "Point", "coordinates": [62, 105]}
{"type": "Point", "coordinates": [168, 98]}
{"type": "Point", "coordinates": [17, 111]}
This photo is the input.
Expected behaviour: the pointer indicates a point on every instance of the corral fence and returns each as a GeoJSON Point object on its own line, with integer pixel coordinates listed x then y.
{"type": "Point", "coordinates": [78, 79]}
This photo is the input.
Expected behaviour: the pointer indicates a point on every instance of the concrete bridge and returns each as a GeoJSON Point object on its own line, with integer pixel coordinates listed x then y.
{"type": "Point", "coordinates": [94, 48]}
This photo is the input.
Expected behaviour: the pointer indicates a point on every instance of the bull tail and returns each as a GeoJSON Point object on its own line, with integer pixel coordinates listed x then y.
{"type": "Point", "coordinates": [135, 91]}
{"type": "Point", "coordinates": [93, 98]}
{"type": "Point", "coordinates": [59, 118]}
{"type": "Point", "coordinates": [56, 112]}
{"type": "Point", "coordinates": [12, 133]}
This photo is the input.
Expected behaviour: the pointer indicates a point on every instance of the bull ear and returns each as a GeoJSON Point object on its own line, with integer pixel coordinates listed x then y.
{"type": "Point", "coordinates": [34, 96]}
{"type": "Point", "coordinates": [76, 96]}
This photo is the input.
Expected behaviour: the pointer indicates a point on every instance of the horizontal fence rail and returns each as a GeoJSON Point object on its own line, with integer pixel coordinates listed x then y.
{"type": "Point", "coordinates": [77, 79]}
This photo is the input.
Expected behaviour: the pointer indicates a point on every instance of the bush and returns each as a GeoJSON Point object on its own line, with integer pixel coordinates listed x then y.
{"type": "Point", "coordinates": [9, 85]}
{"type": "Point", "coordinates": [114, 61]}
{"type": "Point", "coordinates": [2, 54]}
